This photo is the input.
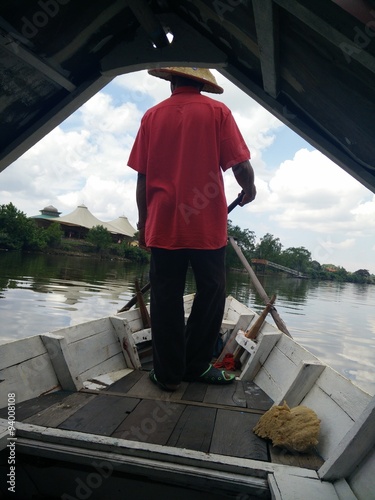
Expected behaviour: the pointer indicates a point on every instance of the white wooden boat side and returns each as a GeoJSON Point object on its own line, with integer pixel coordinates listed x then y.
{"type": "Point", "coordinates": [81, 331]}
{"type": "Point", "coordinates": [67, 357]}
{"type": "Point", "coordinates": [362, 480]}
{"type": "Point", "coordinates": [281, 366]}
{"type": "Point", "coordinates": [103, 345]}
{"type": "Point", "coordinates": [4, 433]}
{"type": "Point", "coordinates": [285, 487]}
{"type": "Point", "coordinates": [354, 457]}
{"type": "Point", "coordinates": [293, 374]}
{"type": "Point", "coordinates": [132, 318]}
{"type": "Point", "coordinates": [234, 309]}
{"type": "Point", "coordinates": [26, 367]}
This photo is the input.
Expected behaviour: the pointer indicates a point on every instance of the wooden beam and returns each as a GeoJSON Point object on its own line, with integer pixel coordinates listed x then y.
{"type": "Point", "coordinates": [17, 50]}
{"type": "Point", "coordinates": [138, 54]}
{"type": "Point", "coordinates": [354, 447]}
{"type": "Point", "coordinates": [306, 376]}
{"type": "Point", "coordinates": [62, 362]}
{"type": "Point", "coordinates": [328, 32]}
{"type": "Point", "coordinates": [128, 345]}
{"type": "Point", "coordinates": [266, 342]}
{"type": "Point", "coordinates": [149, 22]}
{"type": "Point", "coordinates": [266, 24]}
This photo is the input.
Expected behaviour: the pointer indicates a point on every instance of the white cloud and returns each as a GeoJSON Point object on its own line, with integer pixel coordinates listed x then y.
{"type": "Point", "coordinates": [139, 86]}
{"type": "Point", "coordinates": [311, 192]}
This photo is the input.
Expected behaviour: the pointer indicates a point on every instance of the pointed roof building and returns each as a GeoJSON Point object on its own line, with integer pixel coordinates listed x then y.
{"type": "Point", "coordinates": [81, 216]}
{"type": "Point", "coordinates": [123, 225]}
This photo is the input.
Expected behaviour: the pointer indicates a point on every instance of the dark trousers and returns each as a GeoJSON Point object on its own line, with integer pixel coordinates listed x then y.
{"type": "Point", "coordinates": [179, 352]}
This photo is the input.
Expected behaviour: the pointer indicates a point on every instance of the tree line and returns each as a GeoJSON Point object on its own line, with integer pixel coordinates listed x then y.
{"type": "Point", "coordinates": [18, 232]}
{"type": "Point", "coordinates": [271, 249]}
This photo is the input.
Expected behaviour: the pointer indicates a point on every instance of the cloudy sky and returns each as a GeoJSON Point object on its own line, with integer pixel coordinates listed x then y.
{"type": "Point", "coordinates": [303, 198]}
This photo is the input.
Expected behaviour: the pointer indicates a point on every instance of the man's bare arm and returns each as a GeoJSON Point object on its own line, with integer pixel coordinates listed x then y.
{"type": "Point", "coordinates": [244, 175]}
{"type": "Point", "coordinates": [142, 208]}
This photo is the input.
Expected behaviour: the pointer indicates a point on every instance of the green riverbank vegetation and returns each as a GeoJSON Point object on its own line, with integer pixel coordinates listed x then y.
{"type": "Point", "coordinates": [20, 233]}
{"type": "Point", "coordinates": [270, 249]}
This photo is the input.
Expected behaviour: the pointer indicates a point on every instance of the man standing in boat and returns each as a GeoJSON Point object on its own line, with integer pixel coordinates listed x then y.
{"type": "Point", "coordinates": [182, 147]}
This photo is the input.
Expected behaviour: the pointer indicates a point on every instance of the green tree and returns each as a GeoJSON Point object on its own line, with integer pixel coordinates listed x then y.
{"type": "Point", "coordinates": [100, 237]}
{"type": "Point", "coordinates": [314, 269]}
{"type": "Point", "coordinates": [341, 274]}
{"type": "Point", "coordinates": [269, 248]}
{"type": "Point", "coordinates": [54, 235]}
{"type": "Point", "coordinates": [245, 239]}
{"type": "Point", "coordinates": [361, 276]}
{"type": "Point", "coordinates": [297, 258]}
{"type": "Point", "coordinates": [17, 232]}
{"type": "Point", "coordinates": [363, 273]}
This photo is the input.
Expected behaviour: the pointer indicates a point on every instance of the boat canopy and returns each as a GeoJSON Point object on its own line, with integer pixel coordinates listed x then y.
{"type": "Point", "coordinates": [311, 64]}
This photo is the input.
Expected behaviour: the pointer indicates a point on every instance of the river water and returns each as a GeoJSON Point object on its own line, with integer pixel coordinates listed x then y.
{"type": "Point", "coordinates": [335, 321]}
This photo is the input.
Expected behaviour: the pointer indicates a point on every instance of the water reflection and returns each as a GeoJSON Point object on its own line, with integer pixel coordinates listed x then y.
{"type": "Point", "coordinates": [40, 293]}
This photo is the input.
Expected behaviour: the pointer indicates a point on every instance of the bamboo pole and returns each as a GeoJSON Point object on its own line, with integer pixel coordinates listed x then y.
{"type": "Point", "coordinates": [258, 286]}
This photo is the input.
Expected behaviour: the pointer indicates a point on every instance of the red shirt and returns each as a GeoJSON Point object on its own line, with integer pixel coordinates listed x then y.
{"type": "Point", "coordinates": [182, 146]}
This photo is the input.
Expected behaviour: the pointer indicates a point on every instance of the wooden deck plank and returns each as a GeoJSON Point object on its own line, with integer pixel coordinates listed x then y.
{"type": "Point", "coordinates": [151, 422]}
{"type": "Point", "coordinates": [125, 383]}
{"type": "Point", "coordinates": [195, 391]}
{"type": "Point", "coordinates": [230, 395]}
{"type": "Point", "coordinates": [55, 414]}
{"type": "Point", "coordinates": [194, 429]}
{"type": "Point", "coordinates": [144, 388]}
{"type": "Point", "coordinates": [33, 406]}
{"type": "Point", "coordinates": [233, 435]}
{"type": "Point", "coordinates": [102, 415]}
{"type": "Point", "coordinates": [256, 398]}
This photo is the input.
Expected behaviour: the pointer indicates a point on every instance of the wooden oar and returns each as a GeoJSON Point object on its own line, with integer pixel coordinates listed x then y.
{"type": "Point", "coordinates": [133, 300]}
{"type": "Point", "coordinates": [142, 306]}
{"type": "Point", "coordinates": [147, 287]}
{"type": "Point", "coordinates": [258, 286]}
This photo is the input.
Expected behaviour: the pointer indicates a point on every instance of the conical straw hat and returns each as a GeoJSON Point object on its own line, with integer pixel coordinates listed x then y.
{"type": "Point", "coordinates": [200, 74]}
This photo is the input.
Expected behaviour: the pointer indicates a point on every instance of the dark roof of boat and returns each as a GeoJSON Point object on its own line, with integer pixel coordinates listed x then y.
{"type": "Point", "coordinates": [311, 64]}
